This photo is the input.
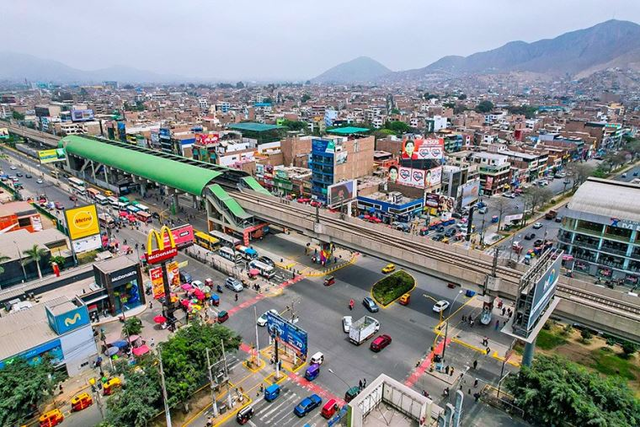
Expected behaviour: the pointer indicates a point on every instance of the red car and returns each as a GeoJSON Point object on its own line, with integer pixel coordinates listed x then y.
{"type": "Point", "coordinates": [58, 205]}
{"type": "Point", "coordinates": [316, 204]}
{"type": "Point", "coordinates": [380, 342]}
{"type": "Point", "coordinates": [303, 200]}
{"type": "Point", "coordinates": [73, 198]}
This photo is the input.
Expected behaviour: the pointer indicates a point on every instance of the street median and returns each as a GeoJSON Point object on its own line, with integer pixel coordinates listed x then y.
{"type": "Point", "coordinates": [388, 289]}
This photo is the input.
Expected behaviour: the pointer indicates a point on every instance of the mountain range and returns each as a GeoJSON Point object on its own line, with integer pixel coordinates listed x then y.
{"type": "Point", "coordinates": [578, 53]}
{"type": "Point", "coordinates": [18, 67]}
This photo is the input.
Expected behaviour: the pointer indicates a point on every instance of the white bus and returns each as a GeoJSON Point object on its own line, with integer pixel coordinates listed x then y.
{"type": "Point", "coordinates": [230, 254]}
{"type": "Point", "coordinates": [77, 185]}
{"type": "Point", "coordinates": [225, 239]}
{"type": "Point", "coordinates": [264, 269]}
{"type": "Point", "coordinates": [102, 200]}
{"type": "Point", "coordinates": [142, 208]}
{"type": "Point", "coordinates": [113, 201]}
{"type": "Point", "coordinates": [132, 209]}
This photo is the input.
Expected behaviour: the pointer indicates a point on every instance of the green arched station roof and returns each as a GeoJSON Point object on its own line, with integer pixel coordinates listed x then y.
{"type": "Point", "coordinates": [181, 176]}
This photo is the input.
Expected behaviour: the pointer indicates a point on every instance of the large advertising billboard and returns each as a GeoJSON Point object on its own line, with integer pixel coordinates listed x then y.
{"type": "Point", "coordinates": [82, 222]}
{"type": "Point", "coordinates": [469, 192]}
{"type": "Point", "coordinates": [415, 177]}
{"type": "Point", "coordinates": [423, 149]}
{"type": "Point", "coordinates": [86, 244]}
{"type": "Point", "coordinates": [341, 192]}
{"type": "Point", "coordinates": [51, 156]}
{"type": "Point", "coordinates": [81, 115]}
{"type": "Point", "coordinates": [182, 236]}
{"type": "Point", "coordinates": [207, 139]}
{"type": "Point", "coordinates": [544, 291]}
{"type": "Point", "coordinates": [287, 333]}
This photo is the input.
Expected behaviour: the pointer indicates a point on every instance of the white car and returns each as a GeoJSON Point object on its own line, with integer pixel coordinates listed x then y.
{"type": "Point", "coordinates": [12, 167]}
{"type": "Point", "coordinates": [440, 306]}
{"type": "Point", "coordinates": [39, 181]}
{"type": "Point", "coordinates": [537, 226]}
{"type": "Point", "coordinates": [346, 323]}
{"type": "Point", "coordinates": [262, 320]}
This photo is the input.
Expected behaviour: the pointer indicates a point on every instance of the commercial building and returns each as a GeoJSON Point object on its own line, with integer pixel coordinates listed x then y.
{"type": "Point", "coordinates": [601, 230]}
{"type": "Point", "coordinates": [59, 328]}
{"type": "Point", "coordinates": [494, 170]}
{"type": "Point", "coordinates": [19, 215]}
{"type": "Point", "coordinates": [336, 158]}
{"type": "Point", "coordinates": [390, 207]}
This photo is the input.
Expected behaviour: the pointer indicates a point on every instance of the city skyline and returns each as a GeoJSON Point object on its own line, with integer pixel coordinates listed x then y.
{"type": "Point", "coordinates": [202, 42]}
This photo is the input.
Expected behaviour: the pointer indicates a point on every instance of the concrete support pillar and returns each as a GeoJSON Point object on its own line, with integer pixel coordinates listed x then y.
{"type": "Point", "coordinates": [176, 202]}
{"type": "Point", "coordinates": [143, 186]}
{"type": "Point", "coordinates": [196, 202]}
{"type": "Point", "coordinates": [93, 171]}
{"type": "Point", "coordinates": [106, 176]}
{"type": "Point", "coordinates": [527, 356]}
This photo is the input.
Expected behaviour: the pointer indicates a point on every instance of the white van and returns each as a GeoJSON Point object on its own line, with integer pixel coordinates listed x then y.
{"type": "Point", "coordinates": [19, 306]}
{"type": "Point", "coordinates": [317, 358]}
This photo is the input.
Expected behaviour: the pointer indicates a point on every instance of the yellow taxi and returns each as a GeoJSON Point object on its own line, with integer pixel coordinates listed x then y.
{"type": "Point", "coordinates": [108, 193]}
{"type": "Point", "coordinates": [388, 268]}
{"type": "Point", "coordinates": [51, 418]}
{"type": "Point", "coordinates": [111, 385]}
{"type": "Point", "coordinates": [81, 401]}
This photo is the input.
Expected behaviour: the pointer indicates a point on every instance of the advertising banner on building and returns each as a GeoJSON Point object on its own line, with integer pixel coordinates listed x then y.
{"type": "Point", "coordinates": [423, 149]}
{"type": "Point", "coordinates": [404, 176]}
{"type": "Point", "coordinates": [341, 157]}
{"type": "Point", "coordinates": [469, 192]}
{"type": "Point", "coordinates": [544, 291]}
{"type": "Point", "coordinates": [81, 115]}
{"type": "Point", "coordinates": [82, 222]}
{"type": "Point", "coordinates": [157, 284]}
{"type": "Point", "coordinates": [4, 133]}
{"type": "Point", "coordinates": [418, 178]}
{"type": "Point", "coordinates": [433, 177]}
{"type": "Point", "coordinates": [51, 156]}
{"type": "Point", "coordinates": [173, 273]}
{"type": "Point", "coordinates": [341, 192]}
{"type": "Point", "coordinates": [182, 236]}
{"type": "Point", "coordinates": [207, 139]}
{"type": "Point", "coordinates": [88, 243]}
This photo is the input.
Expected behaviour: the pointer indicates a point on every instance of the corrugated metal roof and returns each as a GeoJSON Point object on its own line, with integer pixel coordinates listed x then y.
{"type": "Point", "coordinates": [254, 127]}
{"type": "Point", "coordinates": [612, 199]}
{"type": "Point", "coordinates": [26, 329]}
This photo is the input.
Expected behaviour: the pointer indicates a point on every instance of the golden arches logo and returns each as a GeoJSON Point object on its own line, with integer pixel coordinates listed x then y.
{"type": "Point", "coordinates": [159, 238]}
{"type": "Point", "coordinates": [72, 320]}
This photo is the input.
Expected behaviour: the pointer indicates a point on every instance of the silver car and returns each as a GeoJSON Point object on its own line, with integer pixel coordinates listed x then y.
{"type": "Point", "coordinates": [233, 284]}
{"type": "Point", "coordinates": [346, 323]}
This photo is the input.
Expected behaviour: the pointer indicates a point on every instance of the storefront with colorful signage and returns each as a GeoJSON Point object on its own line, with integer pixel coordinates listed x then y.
{"type": "Point", "coordinates": [121, 287]}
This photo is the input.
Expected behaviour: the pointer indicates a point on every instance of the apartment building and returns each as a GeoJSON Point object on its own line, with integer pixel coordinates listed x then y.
{"type": "Point", "coordinates": [494, 170]}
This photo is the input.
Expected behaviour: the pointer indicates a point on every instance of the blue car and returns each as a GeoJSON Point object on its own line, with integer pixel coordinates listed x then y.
{"type": "Point", "coordinates": [307, 405]}
{"type": "Point", "coordinates": [370, 304]}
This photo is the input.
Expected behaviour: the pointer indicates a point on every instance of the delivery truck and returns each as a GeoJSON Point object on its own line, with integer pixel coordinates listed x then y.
{"type": "Point", "coordinates": [363, 329]}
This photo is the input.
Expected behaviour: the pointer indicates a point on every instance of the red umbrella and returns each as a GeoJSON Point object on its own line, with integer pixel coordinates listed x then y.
{"type": "Point", "coordinates": [199, 294]}
{"type": "Point", "coordinates": [254, 271]}
{"type": "Point", "coordinates": [139, 351]}
{"type": "Point", "coordinates": [160, 319]}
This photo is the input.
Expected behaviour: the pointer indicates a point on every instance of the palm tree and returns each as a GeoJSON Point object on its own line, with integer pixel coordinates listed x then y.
{"type": "Point", "coordinates": [35, 254]}
{"type": "Point", "coordinates": [3, 259]}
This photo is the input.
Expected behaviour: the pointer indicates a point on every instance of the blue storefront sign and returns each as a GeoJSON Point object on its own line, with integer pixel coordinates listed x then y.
{"type": "Point", "coordinates": [68, 321]}
{"type": "Point", "coordinates": [287, 333]}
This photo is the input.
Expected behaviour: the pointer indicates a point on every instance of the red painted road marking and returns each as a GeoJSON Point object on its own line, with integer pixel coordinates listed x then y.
{"type": "Point", "coordinates": [422, 368]}
{"type": "Point", "coordinates": [315, 388]}
{"type": "Point", "coordinates": [246, 348]}
{"type": "Point", "coordinates": [259, 297]}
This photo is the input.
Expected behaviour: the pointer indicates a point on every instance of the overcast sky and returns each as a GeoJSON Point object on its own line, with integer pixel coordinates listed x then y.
{"type": "Point", "coordinates": [284, 39]}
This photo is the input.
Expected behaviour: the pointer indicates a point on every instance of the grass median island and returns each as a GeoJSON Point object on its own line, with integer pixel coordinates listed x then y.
{"type": "Point", "coordinates": [392, 287]}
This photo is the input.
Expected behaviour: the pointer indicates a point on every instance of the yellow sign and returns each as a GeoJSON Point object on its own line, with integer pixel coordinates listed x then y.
{"type": "Point", "coordinates": [82, 222]}
{"type": "Point", "coordinates": [50, 156]}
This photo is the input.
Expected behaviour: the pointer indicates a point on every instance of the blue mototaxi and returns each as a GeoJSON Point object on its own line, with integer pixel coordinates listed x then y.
{"type": "Point", "coordinates": [272, 392]}
{"type": "Point", "coordinates": [215, 299]}
{"type": "Point", "coordinates": [312, 372]}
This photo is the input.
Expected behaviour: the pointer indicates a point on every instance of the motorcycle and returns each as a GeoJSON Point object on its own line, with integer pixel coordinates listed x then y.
{"type": "Point", "coordinates": [219, 289]}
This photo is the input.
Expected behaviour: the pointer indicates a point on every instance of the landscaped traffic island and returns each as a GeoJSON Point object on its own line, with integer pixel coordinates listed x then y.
{"type": "Point", "coordinates": [390, 288]}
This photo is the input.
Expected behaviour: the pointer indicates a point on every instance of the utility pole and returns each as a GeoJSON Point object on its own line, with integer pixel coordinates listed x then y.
{"type": "Point", "coordinates": [255, 315]}
{"type": "Point", "coordinates": [226, 373]}
{"type": "Point", "coordinates": [214, 403]}
{"type": "Point", "coordinates": [167, 410]}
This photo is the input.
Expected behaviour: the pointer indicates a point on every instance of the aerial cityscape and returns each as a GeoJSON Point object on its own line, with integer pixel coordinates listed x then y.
{"type": "Point", "coordinates": [296, 214]}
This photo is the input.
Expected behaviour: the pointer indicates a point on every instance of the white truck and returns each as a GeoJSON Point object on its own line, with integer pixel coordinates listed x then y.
{"type": "Point", "coordinates": [363, 329]}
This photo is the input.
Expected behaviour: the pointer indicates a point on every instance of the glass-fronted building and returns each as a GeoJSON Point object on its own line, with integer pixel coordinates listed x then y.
{"type": "Point", "coordinates": [600, 233]}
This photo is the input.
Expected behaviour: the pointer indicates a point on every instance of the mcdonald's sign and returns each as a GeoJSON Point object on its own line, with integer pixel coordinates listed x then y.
{"type": "Point", "coordinates": [165, 246]}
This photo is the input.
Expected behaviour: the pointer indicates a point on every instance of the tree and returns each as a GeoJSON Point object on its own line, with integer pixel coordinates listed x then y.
{"type": "Point", "coordinates": [579, 172]}
{"type": "Point", "coordinates": [35, 254]}
{"type": "Point", "coordinates": [501, 205]}
{"type": "Point", "coordinates": [141, 400]}
{"type": "Point", "coordinates": [184, 356]}
{"type": "Point", "coordinates": [240, 85]}
{"type": "Point", "coordinates": [536, 197]}
{"type": "Point", "coordinates": [397, 127]}
{"type": "Point", "coordinates": [570, 393]}
{"type": "Point", "coordinates": [305, 98]}
{"type": "Point", "coordinates": [484, 107]}
{"type": "Point", "coordinates": [628, 348]}
{"type": "Point", "coordinates": [17, 115]}
{"type": "Point", "coordinates": [23, 387]}
{"type": "Point", "coordinates": [57, 260]}
{"type": "Point", "coordinates": [462, 97]}
{"type": "Point", "coordinates": [132, 326]}
{"type": "Point", "coordinates": [586, 335]}
{"type": "Point", "coordinates": [3, 259]}
{"type": "Point", "coordinates": [295, 125]}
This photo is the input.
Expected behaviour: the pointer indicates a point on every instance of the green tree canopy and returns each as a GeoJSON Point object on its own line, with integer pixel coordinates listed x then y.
{"type": "Point", "coordinates": [555, 391]}
{"type": "Point", "coordinates": [23, 387]}
{"type": "Point", "coordinates": [484, 107]}
{"type": "Point", "coordinates": [305, 98]}
{"type": "Point", "coordinates": [132, 326]}
{"type": "Point", "coordinates": [295, 125]}
{"type": "Point", "coordinates": [35, 254]}
{"type": "Point", "coordinates": [397, 127]}
{"type": "Point", "coordinates": [526, 110]}
{"type": "Point", "coordinates": [462, 97]}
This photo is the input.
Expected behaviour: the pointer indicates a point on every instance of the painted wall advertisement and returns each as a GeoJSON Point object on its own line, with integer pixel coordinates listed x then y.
{"type": "Point", "coordinates": [415, 177]}
{"type": "Point", "coordinates": [51, 156]}
{"type": "Point", "coordinates": [423, 149]}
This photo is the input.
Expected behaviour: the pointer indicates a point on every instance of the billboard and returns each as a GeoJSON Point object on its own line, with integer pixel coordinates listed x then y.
{"type": "Point", "coordinates": [423, 149]}
{"type": "Point", "coordinates": [469, 192]}
{"type": "Point", "coordinates": [4, 133]}
{"type": "Point", "coordinates": [163, 252]}
{"type": "Point", "coordinates": [157, 283]}
{"type": "Point", "coordinates": [207, 139]}
{"type": "Point", "coordinates": [82, 222]}
{"type": "Point", "coordinates": [88, 243]}
{"type": "Point", "coordinates": [81, 115]}
{"type": "Point", "coordinates": [418, 178]}
{"type": "Point", "coordinates": [341, 157]}
{"type": "Point", "coordinates": [51, 156]}
{"type": "Point", "coordinates": [65, 322]}
{"type": "Point", "coordinates": [544, 291]}
{"type": "Point", "coordinates": [182, 236]}
{"type": "Point", "coordinates": [341, 192]}
{"type": "Point", "coordinates": [287, 333]}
